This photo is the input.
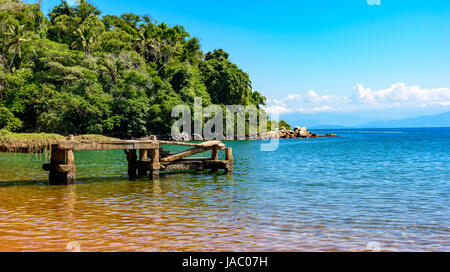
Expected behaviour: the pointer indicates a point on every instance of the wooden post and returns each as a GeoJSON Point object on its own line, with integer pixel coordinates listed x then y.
{"type": "Point", "coordinates": [70, 158]}
{"type": "Point", "coordinates": [132, 158]}
{"type": "Point", "coordinates": [229, 159]}
{"type": "Point", "coordinates": [61, 174]}
{"type": "Point", "coordinates": [57, 156]}
{"type": "Point", "coordinates": [214, 154]}
{"type": "Point", "coordinates": [154, 156]}
{"type": "Point", "coordinates": [142, 172]}
{"type": "Point", "coordinates": [70, 161]}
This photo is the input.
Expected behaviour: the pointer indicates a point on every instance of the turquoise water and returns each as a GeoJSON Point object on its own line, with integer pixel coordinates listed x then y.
{"type": "Point", "coordinates": [388, 188]}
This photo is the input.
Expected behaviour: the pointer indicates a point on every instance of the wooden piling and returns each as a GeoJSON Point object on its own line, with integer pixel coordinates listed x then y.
{"type": "Point", "coordinates": [132, 158]}
{"type": "Point", "coordinates": [229, 159]}
{"type": "Point", "coordinates": [142, 172]}
{"type": "Point", "coordinates": [154, 156]}
{"type": "Point", "coordinates": [70, 158]}
{"type": "Point", "coordinates": [214, 154]}
{"type": "Point", "coordinates": [61, 167]}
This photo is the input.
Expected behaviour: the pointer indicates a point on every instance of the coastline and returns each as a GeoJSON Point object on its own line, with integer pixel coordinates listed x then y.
{"type": "Point", "coordinates": [281, 133]}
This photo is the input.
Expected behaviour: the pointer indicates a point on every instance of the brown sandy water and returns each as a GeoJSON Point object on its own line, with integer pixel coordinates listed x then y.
{"type": "Point", "coordinates": [275, 201]}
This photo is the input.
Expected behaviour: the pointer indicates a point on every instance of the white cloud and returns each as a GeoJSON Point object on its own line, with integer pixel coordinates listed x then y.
{"type": "Point", "coordinates": [278, 109]}
{"type": "Point", "coordinates": [398, 95]}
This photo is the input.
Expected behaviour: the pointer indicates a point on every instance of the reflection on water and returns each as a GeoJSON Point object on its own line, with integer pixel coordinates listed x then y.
{"type": "Point", "coordinates": [319, 194]}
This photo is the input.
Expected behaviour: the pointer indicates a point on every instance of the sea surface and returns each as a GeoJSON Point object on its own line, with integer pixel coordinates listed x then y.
{"type": "Point", "coordinates": [370, 189]}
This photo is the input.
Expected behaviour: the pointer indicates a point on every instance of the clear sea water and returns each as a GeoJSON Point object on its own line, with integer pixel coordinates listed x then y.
{"type": "Point", "coordinates": [386, 189]}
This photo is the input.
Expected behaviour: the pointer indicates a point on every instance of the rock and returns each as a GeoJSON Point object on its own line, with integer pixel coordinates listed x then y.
{"type": "Point", "coordinates": [269, 135]}
{"type": "Point", "coordinates": [331, 135]}
{"type": "Point", "coordinates": [303, 133]}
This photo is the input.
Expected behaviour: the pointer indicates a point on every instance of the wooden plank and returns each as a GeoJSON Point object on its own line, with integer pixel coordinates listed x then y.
{"type": "Point", "coordinates": [178, 143]}
{"type": "Point", "coordinates": [219, 144]}
{"type": "Point", "coordinates": [113, 145]}
{"type": "Point", "coordinates": [182, 154]}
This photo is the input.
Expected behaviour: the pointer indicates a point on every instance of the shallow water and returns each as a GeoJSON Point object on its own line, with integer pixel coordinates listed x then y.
{"type": "Point", "coordinates": [388, 188]}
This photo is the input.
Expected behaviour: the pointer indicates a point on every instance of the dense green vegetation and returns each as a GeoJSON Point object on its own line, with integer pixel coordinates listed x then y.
{"type": "Point", "coordinates": [76, 71]}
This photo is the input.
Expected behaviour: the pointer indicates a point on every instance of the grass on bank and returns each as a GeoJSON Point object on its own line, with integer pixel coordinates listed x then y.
{"type": "Point", "coordinates": [37, 142]}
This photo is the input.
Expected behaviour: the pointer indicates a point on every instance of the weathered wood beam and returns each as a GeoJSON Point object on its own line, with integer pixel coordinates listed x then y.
{"type": "Point", "coordinates": [183, 154]}
{"type": "Point", "coordinates": [219, 144]}
{"type": "Point", "coordinates": [177, 143]}
{"type": "Point", "coordinates": [114, 145]}
{"type": "Point", "coordinates": [216, 144]}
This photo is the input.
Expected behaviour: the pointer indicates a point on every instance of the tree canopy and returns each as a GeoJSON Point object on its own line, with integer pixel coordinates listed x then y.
{"type": "Point", "coordinates": [75, 71]}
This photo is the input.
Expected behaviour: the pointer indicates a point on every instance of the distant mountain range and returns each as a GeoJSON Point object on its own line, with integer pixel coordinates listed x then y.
{"type": "Point", "coordinates": [439, 120]}
{"type": "Point", "coordinates": [356, 120]}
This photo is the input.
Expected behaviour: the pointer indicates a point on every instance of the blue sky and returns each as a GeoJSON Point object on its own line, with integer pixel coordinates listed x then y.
{"type": "Point", "coordinates": [315, 56]}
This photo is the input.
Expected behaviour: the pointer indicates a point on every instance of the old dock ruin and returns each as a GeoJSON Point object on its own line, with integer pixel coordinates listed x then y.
{"type": "Point", "coordinates": [146, 157]}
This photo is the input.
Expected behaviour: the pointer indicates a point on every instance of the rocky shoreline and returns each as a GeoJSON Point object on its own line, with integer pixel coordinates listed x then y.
{"type": "Point", "coordinates": [281, 133]}
{"type": "Point", "coordinates": [299, 132]}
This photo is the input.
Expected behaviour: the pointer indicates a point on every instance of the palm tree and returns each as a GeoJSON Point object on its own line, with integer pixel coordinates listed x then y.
{"type": "Point", "coordinates": [13, 37]}
{"type": "Point", "coordinates": [142, 42]}
{"type": "Point", "coordinates": [148, 45]}
{"type": "Point", "coordinates": [16, 36]}
{"type": "Point", "coordinates": [85, 38]}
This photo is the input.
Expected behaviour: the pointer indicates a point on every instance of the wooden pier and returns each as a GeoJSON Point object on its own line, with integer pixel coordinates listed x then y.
{"type": "Point", "coordinates": [145, 157]}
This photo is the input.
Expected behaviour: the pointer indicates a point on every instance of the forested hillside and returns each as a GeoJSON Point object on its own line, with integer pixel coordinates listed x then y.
{"type": "Point", "coordinates": [76, 70]}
